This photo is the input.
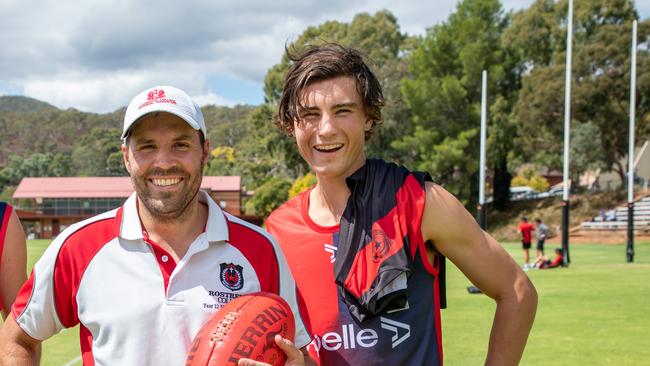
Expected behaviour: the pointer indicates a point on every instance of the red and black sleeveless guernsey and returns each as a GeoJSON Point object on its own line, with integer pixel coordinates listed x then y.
{"type": "Point", "coordinates": [407, 335]}
{"type": "Point", "coordinates": [5, 213]}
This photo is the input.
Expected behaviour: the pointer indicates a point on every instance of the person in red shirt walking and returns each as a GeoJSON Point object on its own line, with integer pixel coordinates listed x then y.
{"type": "Point", "coordinates": [525, 229]}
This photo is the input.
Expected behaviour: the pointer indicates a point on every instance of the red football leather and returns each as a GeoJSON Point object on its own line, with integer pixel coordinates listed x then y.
{"type": "Point", "coordinates": [244, 328]}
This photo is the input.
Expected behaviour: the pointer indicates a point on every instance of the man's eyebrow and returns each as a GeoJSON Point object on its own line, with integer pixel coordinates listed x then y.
{"type": "Point", "coordinates": [142, 140]}
{"type": "Point", "coordinates": [335, 106]}
{"type": "Point", "coordinates": [305, 108]}
{"type": "Point", "coordinates": [346, 105]}
{"type": "Point", "coordinates": [185, 136]}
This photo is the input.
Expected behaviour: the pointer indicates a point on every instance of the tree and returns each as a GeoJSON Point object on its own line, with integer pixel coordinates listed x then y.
{"type": "Point", "coordinates": [266, 151]}
{"type": "Point", "coordinates": [226, 125]}
{"type": "Point", "coordinates": [12, 172]}
{"type": "Point", "coordinates": [301, 184]}
{"type": "Point", "coordinates": [222, 161]}
{"type": "Point", "coordinates": [36, 165]}
{"type": "Point", "coordinates": [98, 153]}
{"type": "Point", "coordinates": [600, 81]}
{"type": "Point", "coordinates": [530, 177]}
{"type": "Point", "coordinates": [60, 165]}
{"type": "Point", "coordinates": [115, 165]}
{"type": "Point", "coordinates": [269, 196]}
{"type": "Point", "coordinates": [443, 89]}
{"type": "Point", "coordinates": [378, 37]}
{"type": "Point", "coordinates": [586, 152]}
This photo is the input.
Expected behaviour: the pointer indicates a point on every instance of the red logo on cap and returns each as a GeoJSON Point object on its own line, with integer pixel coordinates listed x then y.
{"type": "Point", "coordinates": [156, 96]}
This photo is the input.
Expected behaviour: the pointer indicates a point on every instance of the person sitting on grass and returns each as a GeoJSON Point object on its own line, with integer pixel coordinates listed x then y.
{"type": "Point", "coordinates": [544, 262]}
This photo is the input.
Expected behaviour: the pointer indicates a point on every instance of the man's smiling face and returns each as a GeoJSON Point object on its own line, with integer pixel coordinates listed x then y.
{"type": "Point", "coordinates": [165, 159]}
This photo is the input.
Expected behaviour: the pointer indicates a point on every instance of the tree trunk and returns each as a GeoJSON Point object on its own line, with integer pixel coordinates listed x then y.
{"type": "Point", "coordinates": [501, 184]}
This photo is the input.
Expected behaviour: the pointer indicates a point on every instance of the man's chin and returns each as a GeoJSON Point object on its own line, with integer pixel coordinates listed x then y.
{"type": "Point", "coordinates": [163, 209]}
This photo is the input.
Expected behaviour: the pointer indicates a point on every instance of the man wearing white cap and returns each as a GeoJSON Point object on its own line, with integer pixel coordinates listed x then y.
{"type": "Point", "coordinates": [141, 280]}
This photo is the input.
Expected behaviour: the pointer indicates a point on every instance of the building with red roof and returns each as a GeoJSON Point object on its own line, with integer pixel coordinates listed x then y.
{"type": "Point", "coordinates": [47, 205]}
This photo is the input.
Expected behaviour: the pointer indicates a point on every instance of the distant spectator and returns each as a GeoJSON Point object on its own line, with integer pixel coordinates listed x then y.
{"type": "Point", "coordinates": [525, 230]}
{"type": "Point", "coordinates": [542, 233]}
{"type": "Point", "coordinates": [602, 214]}
{"type": "Point", "coordinates": [610, 215]}
{"type": "Point", "coordinates": [545, 262]}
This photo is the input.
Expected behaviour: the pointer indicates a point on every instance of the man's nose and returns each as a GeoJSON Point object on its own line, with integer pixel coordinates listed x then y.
{"type": "Point", "coordinates": [165, 159]}
{"type": "Point", "coordinates": [327, 125]}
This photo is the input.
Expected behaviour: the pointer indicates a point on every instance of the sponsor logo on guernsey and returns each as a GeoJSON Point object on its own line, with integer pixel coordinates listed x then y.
{"type": "Point", "coordinates": [401, 331]}
{"type": "Point", "coordinates": [350, 337]}
{"type": "Point", "coordinates": [156, 96]}
{"type": "Point", "coordinates": [232, 276]}
{"type": "Point", "coordinates": [329, 248]}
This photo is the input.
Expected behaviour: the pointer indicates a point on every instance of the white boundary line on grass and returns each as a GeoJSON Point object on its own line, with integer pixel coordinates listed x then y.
{"type": "Point", "coordinates": [73, 361]}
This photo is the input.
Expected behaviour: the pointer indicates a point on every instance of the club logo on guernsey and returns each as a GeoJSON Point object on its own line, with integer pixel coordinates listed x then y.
{"type": "Point", "coordinates": [232, 276]}
{"type": "Point", "coordinates": [350, 337]}
{"type": "Point", "coordinates": [381, 244]}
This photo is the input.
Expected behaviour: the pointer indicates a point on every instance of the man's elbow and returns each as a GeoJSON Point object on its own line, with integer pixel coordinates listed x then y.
{"type": "Point", "coordinates": [17, 347]}
{"type": "Point", "coordinates": [526, 294]}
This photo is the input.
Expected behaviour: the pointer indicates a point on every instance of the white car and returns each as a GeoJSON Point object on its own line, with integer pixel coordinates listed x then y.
{"type": "Point", "coordinates": [522, 193]}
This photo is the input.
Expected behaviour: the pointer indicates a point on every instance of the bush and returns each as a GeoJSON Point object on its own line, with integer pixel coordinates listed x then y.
{"type": "Point", "coordinates": [302, 183]}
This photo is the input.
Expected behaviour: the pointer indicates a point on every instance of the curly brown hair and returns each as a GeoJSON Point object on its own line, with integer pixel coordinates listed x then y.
{"type": "Point", "coordinates": [322, 62]}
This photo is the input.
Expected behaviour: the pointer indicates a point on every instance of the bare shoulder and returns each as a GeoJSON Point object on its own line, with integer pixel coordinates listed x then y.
{"type": "Point", "coordinates": [15, 236]}
{"type": "Point", "coordinates": [445, 218]}
{"type": "Point", "coordinates": [454, 233]}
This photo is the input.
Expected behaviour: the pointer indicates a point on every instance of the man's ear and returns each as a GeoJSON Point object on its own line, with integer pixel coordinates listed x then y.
{"type": "Point", "coordinates": [368, 125]}
{"type": "Point", "coordinates": [125, 158]}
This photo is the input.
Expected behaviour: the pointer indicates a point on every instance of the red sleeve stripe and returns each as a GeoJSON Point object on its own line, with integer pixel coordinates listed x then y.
{"type": "Point", "coordinates": [4, 222]}
{"type": "Point", "coordinates": [86, 343]}
{"type": "Point", "coordinates": [75, 254]}
{"type": "Point", "coordinates": [23, 297]}
{"type": "Point", "coordinates": [72, 258]}
{"type": "Point", "coordinates": [259, 251]}
{"type": "Point", "coordinates": [3, 226]}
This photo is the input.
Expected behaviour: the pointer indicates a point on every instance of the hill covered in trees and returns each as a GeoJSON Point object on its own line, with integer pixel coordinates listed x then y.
{"type": "Point", "coordinates": [42, 140]}
{"type": "Point", "coordinates": [18, 103]}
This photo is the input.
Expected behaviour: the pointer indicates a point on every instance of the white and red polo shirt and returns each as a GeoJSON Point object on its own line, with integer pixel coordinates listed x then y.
{"type": "Point", "coordinates": [134, 304]}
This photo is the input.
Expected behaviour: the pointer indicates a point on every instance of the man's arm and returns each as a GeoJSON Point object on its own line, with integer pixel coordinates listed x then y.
{"type": "Point", "coordinates": [16, 347]}
{"type": "Point", "coordinates": [456, 235]}
{"type": "Point", "coordinates": [13, 264]}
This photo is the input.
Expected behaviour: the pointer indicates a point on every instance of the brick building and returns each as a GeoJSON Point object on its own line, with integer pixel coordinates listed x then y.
{"type": "Point", "coordinates": [46, 206]}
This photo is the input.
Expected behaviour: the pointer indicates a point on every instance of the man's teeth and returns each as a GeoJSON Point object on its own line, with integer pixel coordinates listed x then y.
{"type": "Point", "coordinates": [328, 147]}
{"type": "Point", "coordinates": [165, 182]}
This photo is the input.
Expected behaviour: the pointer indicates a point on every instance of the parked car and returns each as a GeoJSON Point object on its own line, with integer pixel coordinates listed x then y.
{"type": "Point", "coordinates": [522, 193]}
{"type": "Point", "coordinates": [554, 191]}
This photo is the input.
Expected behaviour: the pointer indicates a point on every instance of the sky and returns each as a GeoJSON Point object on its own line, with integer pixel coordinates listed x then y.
{"type": "Point", "coordinates": [96, 55]}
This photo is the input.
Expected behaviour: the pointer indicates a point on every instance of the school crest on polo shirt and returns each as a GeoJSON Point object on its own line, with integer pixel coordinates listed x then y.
{"type": "Point", "coordinates": [232, 276]}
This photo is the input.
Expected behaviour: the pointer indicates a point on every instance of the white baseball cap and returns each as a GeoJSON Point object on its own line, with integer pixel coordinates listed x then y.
{"type": "Point", "coordinates": [164, 99]}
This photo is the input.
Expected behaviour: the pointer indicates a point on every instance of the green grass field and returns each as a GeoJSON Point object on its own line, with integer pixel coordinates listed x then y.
{"type": "Point", "coordinates": [593, 313]}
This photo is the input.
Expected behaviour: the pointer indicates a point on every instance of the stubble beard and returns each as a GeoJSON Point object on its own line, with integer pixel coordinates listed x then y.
{"type": "Point", "coordinates": [168, 206]}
